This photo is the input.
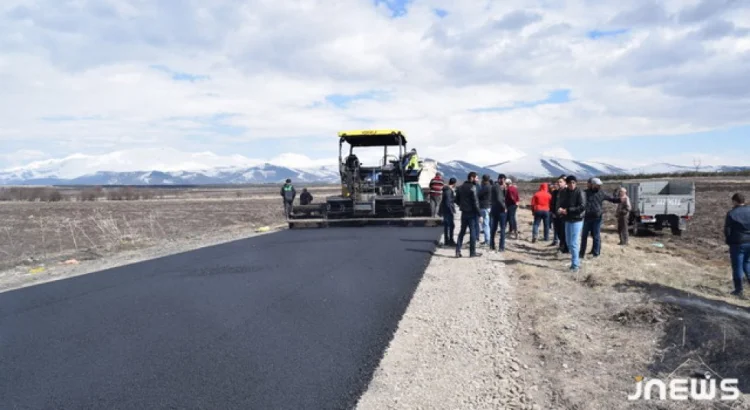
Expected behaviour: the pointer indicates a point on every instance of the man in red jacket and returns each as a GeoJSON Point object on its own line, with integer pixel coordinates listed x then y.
{"type": "Point", "coordinates": [540, 203]}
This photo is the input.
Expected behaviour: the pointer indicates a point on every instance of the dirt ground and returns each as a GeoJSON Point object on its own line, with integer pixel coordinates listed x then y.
{"type": "Point", "coordinates": [37, 238]}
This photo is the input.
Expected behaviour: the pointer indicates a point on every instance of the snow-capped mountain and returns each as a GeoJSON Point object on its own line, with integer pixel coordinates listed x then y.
{"type": "Point", "coordinates": [540, 166]}
{"type": "Point", "coordinates": [171, 167]}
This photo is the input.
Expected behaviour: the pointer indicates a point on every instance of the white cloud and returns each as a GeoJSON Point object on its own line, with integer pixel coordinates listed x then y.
{"type": "Point", "coordinates": [76, 77]}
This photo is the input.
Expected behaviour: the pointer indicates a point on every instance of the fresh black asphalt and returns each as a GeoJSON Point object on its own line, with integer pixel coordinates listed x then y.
{"type": "Point", "coordinates": [297, 319]}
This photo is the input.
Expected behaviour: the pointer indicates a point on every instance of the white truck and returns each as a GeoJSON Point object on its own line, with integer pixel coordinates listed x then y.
{"type": "Point", "coordinates": [659, 204]}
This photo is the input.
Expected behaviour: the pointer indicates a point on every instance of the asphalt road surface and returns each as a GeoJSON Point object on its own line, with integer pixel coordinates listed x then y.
{"type": "Point", "coordinates": [291, 320]}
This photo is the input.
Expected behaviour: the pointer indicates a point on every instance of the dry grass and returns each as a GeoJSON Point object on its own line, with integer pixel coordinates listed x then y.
{"type": "Point", "coordinates": [632, 311]}
{"type": "Point", "coordinates": [38, 232]}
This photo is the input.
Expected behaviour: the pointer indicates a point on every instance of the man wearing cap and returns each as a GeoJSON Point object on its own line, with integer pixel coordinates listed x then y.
{"type": "Point", "coordinates": [572, 208]}
{"type": "Point", "coordinates": [592, 223]}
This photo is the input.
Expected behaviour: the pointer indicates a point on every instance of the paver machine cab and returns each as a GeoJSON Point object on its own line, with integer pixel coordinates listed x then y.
{"type": "Point", "coordinates": [386, 193]}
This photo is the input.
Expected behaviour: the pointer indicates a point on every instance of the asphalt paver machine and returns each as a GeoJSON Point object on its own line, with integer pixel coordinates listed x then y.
{"type": "Point", "coordinates": [386, 193]}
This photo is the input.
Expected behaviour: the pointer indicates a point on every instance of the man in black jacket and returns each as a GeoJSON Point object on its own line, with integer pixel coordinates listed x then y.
{"type": "Point", "coordinates": [448, 212]}
{"type": "Point", "coordinates": [737, 235]}
{"type": "Point", "coordinates": [498, 213]}
{"type": "Point", "coordinates": [572, 207]}
{"type": "Point", "coordinates": [558, 220]}
{"type": "Point", "coordinates": [592, 223]}
{"type": "Point", "coordinates": [468, 202]}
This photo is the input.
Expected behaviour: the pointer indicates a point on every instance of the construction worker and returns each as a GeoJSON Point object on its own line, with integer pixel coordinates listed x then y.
{"type": "Point", "coordinates": [436, 193]}
{"type": "Point", "coordinates": [288, 193]}
{"type": "Point", "coordinates": [305, 198]}
{"type": "Point", "coordinates": [411, 160]}
{"type": "Point", "coordinates": [468, 202]}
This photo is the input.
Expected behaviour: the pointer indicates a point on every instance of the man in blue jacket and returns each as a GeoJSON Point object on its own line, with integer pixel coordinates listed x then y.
{"type": "Point", "coordinates": [737, 234]}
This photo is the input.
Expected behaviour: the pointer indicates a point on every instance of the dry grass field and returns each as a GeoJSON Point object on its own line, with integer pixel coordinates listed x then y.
{"type": "Point", "coordinates": [35, 233]}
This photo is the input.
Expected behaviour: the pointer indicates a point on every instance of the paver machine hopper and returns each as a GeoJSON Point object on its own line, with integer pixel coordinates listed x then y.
{"type": "Point", "coordinates": [386, 193]}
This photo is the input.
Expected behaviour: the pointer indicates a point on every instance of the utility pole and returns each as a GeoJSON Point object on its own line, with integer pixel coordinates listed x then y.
{"type": "Point", "coordinates": [697, 164]}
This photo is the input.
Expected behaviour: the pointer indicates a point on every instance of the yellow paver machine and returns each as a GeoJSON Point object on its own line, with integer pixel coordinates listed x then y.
{"type": "Point", "coordinates": [388, 193]}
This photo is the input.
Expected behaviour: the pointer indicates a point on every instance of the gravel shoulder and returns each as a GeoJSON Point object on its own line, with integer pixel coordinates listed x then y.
{"type": "Point", "coordinates": [456, 344]}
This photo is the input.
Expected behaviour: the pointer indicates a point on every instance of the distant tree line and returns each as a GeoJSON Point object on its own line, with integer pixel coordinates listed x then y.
{"type": "Point", "coordinates": [686, 174]}
{"type": "Point", "coordinates": [51, 194]}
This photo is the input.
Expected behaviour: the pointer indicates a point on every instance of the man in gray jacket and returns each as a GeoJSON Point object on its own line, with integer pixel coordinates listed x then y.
{"type": "Point", "coordinates": [737, 235]}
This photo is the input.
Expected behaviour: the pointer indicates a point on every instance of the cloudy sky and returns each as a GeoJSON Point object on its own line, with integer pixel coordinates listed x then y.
{"type": "Point", "coordinates": [625, 82]}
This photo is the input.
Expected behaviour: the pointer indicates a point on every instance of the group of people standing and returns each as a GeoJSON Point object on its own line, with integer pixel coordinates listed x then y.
{"type": "Point", "coordinates": [493, 202]}
{"type": "Point", "coordinates": [571, 213]}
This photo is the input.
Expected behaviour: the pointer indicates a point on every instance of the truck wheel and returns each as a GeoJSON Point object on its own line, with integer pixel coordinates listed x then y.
{"type": "Point", "coordinates": [674, 223]}
{"type": "Point", "coordinates": [634, 230]}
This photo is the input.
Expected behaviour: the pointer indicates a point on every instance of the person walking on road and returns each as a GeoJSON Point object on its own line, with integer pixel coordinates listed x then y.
{"type": "Point", "coordinates": [485, 204]}
{"type": "Point", "coordinates": [305, 198]}
{"type": "Point", "coordinates": [511, 201]}
{"type": "Point", "coordinates": [468, 202]}
{"type": "Point", "coordinates": [572, 206]}
{"type": "Point", "coordinates": [288, 193]}
{"type": "Point", "coordinates": [592, 223]}
{"type": "Point", "coordinates": [737, 236]}
{"type": "Point", "coordinates": [448, 212]}
{"type": "Point", "coordinates": [436, 192]}
{"type": "Point", "coordinates": [498, 213]}
{"type": "Point", "coordinates": [540, 203]}
{"type": "Point", "coordinates": [623, 214]}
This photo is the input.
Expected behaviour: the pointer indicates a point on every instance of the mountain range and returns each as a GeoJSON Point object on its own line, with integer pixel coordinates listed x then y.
{"type": "Point", "coordinates": [70, 171]}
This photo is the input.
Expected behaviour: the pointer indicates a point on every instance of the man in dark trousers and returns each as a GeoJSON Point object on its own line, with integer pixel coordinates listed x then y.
{"type": "Point", "coordinates": [572, 207]}
{"type": "Point", "coordinates": [592, 223]}
{"type": "Point", "coordinates": [468, 202]}
{"type": "Point", "coordinates": [558, 220]}
{"type": "Point", "coordinates": [498, 213]}
{"type": "Point", "coordinates": [288, 193]}
{"type": "Point", "coordinates": [448, 212]}
{"type": "Point", "coordinates": [737, 236]}
{"type": "Point", "coordinates": [485, 203]}
{"type": "Point", "coordinates": [511, 202]}
{"type": "Point", "coordinates": [305, 198]}
{"type": "Point", "coordinates": [436, 191]}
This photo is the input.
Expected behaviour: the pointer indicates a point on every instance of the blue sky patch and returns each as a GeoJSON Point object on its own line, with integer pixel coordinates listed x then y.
{"type": "Point", "coordinates": [398, 7]}
{"type": "Point", "coordinates": [343, 100]}
{"type": "Point", "coordinates": [597, 34]}
{"type": "Point", "coordinates": [178, 75]}
{"type": "Point", "coordinates": [559, 96]}
{"type": "Point", "coordinates": [440, 13]}
{"type": "Point", "coordinates": [68, 118]}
